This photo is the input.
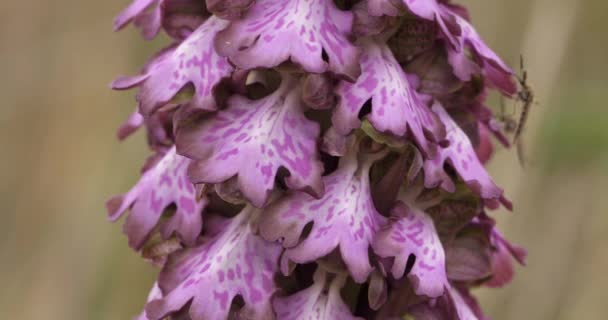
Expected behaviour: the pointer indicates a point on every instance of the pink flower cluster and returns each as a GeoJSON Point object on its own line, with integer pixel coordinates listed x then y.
{"type": "Point", "coordinates": [315, 159]}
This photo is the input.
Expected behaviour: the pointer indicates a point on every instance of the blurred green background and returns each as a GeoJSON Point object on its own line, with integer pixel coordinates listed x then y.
{"type": "Point", "coordinates": [61, 259]}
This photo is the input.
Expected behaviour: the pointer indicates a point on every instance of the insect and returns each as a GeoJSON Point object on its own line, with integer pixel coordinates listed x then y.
{"type": "Point", "coordinates": [510, 125]}
{"type": "Point", "coordinates": [526, 96]}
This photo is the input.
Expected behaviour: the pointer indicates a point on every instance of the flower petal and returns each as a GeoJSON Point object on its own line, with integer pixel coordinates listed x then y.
{"type": "Point", "coordinates": [193, 62]}
{"type": "Point", "coordinates": [164, 184]}
{"type": "Point", "coordinates": [411, 233]}
{"type": "Point", "coordinates": [496, 72]}
{"type": "Point", "coordinates": [343, 217]}
{"type": "Point", "coordinates": [313, 33]}
{"type": "Point", "coordinates": [315, 302]}
{"type": "Point", "coordinates": [231, 261]}
{"type": "Point", "coordinates": [396, 107]}
{"type": "Point", "coordinates": [461, 36]}
{"type": "Point", "coordinates": [254, 139]}
{"type": "Point", "coordinates": [462, 157]}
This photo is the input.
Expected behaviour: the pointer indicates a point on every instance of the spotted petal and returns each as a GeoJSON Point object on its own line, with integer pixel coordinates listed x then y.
{"type": "Point", "coordinates": [253, 139]}
{"type": "Point", "coordinates": [230, 261]}
{"type": "Point", "coordinates": [313, 33]}
{"type": "Point", "coordinates": [461, 155]}
{"type": "Point", "coordinates": [163, 184]}
{"type": "Point", "coordinates": [193, 62]}
{"type": "Point", "coordinates": [314, 302]}
{"type": "Point", "coordinates": [344, 217]}
{"type": "Point", "coordinates": [411, 232]}
{"type": "Point", "coordinates": [461, 36]}
{"type": "Point", "coordinates": [395, 104]}
{"type": "Point", "coordinates": [496, 72]}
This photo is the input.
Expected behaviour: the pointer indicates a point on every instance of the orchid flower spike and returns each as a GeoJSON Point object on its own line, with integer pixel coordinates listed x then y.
{"type": "Point", "coordinates": [315, 159]}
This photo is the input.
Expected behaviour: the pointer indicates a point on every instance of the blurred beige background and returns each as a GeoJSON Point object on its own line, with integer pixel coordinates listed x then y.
{"type": "Point", "coordinates": [61, 259]}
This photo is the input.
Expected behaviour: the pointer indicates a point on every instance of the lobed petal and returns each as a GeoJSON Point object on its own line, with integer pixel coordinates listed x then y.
{"type": "Point", "coordinates": [343, 217]}
{"type": "Point", "coordinates": [194, 62]}
{"type": "Point", "coordinates": [163, 184]}
{"type": "Point", "coordinates": [231, 260]}
{"type": "Point", "coordinates": [411, 233]}
{"type": "Point", "coordinates": [312, 33]}
{"type": "Point", "coordinates": [396, 107]}
{"type": "Point", "coordinates": [495, 71]}
{"type": "Point", "coordinates": [461, 36]}
{"type": "Point", "coordinates": [315, 302]}
{"type": "Point", "coordinates": [253, 139]}
{"type": "Point", "coordinates": [463, 158]}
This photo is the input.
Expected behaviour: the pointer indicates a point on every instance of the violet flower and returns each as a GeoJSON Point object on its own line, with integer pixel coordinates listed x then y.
{"type": "Point", "coordinates": [316, 159]}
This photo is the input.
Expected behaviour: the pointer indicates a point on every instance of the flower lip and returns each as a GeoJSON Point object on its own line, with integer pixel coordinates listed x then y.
{"type": "Point", "coordinates": [264, 37]}
{"type": "Point", "coordinates": [272, 130]}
